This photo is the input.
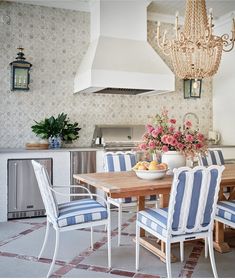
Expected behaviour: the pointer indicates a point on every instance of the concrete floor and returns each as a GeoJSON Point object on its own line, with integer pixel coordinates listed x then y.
{"type": "Point", "coordinates": [21, 240]}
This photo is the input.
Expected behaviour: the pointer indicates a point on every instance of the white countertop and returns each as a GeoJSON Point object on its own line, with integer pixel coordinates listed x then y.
{"type": "Point", "coordinates": [221, 146]}
{"type": "Point", "coordinates": [75, 149]}
{"type": "Point", "coordinates": [23, 150]}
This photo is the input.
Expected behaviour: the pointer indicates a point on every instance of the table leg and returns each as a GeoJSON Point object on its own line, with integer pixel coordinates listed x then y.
{"type": "Point", "coordinates": [219, 243]}
{"type": "Point", "coordinates": [232, 193]}
{"type": "Point", "coordinates": [164, 200]}
{"type": "Point", "coordinates": [140, 206]}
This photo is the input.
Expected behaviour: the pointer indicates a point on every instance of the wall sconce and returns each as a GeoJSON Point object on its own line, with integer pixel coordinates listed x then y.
{"type": "Point", "coordinates": [192, 88]}
{"type": "Point", "coordinates": [20, 69]}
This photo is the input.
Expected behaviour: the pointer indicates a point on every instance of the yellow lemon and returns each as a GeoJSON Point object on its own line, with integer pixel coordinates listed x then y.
{"type": "Point", "coordinates": [142, 167]}
{"type": "Point", "coordinates": [137, 165]}
{"type": "Point", "coordinates": [153, 166]}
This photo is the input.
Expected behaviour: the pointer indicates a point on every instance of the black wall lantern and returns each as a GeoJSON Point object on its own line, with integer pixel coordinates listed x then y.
{"type": "Point", "coordinates": [192, 88]}
{"type": "Point", "coordinates": [20, 69]}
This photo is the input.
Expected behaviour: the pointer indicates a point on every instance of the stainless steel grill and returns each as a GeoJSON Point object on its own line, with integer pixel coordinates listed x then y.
{"type": "Point", "coordinates": [117, 137]}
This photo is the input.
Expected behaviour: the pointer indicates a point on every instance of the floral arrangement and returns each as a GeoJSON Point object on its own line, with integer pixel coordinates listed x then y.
{"type": "Point", "coordinates": [164, 136]}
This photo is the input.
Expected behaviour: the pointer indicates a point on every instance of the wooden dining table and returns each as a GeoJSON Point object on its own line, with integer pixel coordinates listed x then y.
{"type": "Point", "coordinates": [127, 184]}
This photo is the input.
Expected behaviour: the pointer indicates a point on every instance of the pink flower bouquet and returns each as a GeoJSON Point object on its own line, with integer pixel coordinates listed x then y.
{"type": "Point", "coordinates": [164, 135]}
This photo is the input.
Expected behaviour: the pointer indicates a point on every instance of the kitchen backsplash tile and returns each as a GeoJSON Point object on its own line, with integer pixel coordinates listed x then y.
{"type": "Point", "coordinates": [55, 41]}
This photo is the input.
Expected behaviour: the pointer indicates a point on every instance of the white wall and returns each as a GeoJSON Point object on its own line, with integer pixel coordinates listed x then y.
{"type": "Point", "coordinates": [224, 93]}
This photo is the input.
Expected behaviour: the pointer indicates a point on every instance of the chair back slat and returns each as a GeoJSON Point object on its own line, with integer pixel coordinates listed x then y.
{"type": "Point", "coordinates": [44, 185]}
{"type": "Point", "coordinates": [211, 196]}
{"type": "Point", "coordinates": [199, 199]}
{"type": "Point", "coordinates": [119, 161]}
{"type": "Point", "coordinates": [214, 157]}
{"type": "Point", "coordinates": [193, 199]}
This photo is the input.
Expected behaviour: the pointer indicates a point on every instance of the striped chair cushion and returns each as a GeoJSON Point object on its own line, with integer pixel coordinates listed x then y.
{"type": "Point", "coordinates": [120, 162]}
{"type": "Point", "coordinates": [80, 211]}
{"type": "Point", "coordinates": [213, 157]}
{"type": "Point", "coordinates": [155, 219]}
{"type": "Point", "coordinates": [226, 210]}
{"type": "Point", "coordinates": [133, 199]}
{"type": "Point", "coordinates": [196, 189]}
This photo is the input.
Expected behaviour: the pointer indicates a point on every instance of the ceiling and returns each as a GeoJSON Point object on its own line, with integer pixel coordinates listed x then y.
{"type": "Point", "coordinates": [165, 7]}
{"type": "Point", "coordinates": [220, 7]}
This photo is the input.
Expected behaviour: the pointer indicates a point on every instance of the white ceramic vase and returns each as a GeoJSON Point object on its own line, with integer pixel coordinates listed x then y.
{"type": "Point", "coordinates": [55, 142]}
{"type": "Point", "coordinates": [173, 159]}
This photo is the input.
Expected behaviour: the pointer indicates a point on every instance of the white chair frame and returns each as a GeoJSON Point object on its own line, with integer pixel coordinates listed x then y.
{"type": "Point", "coordinates": [121, 205]}
{"type": "Point", "coordinates": [52, 219]}
{"type": "Point", "coordinates": [196, 231]}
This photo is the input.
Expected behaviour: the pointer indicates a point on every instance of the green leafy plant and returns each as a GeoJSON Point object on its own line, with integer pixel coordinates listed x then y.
{"type": "Point", "coordinates": [53, 127]}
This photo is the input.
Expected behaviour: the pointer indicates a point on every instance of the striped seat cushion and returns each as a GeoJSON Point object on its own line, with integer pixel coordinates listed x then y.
{"type": "Point", "coordinates": [80, 211]}
{"type": "Point", "coordinates": [226, 210]}
{"type": "Point", "coordinates": [155, 219]}
{"type": "Point", "coordinates": [133, 199]}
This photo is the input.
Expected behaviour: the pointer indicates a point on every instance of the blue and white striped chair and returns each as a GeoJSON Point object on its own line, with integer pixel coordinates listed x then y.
{"type": "Point", "coordinates": [191, 211]}
{"type": "Point", "coordinates": [72, 215]}
{"type": "Point", "coordinates": [225, 212]}
{"type": "Point", "coordinates": [214, 157]}
{"type": "Point", "coordinates": [121, 161]}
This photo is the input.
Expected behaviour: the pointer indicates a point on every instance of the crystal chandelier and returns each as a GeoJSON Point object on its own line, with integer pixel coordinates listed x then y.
{"type": "Point", "coordinates": [195, 52]}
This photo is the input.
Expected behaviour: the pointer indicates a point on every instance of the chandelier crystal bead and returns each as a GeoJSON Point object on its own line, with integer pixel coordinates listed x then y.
{"type": "Point", "coordinates": [195, 52]}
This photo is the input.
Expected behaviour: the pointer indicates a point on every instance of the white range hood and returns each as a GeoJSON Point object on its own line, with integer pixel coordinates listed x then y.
{"type": "Point", "coordinates": [119, 60]}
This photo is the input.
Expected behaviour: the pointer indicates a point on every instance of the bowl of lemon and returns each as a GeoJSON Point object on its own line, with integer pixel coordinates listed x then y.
{"type": "Point", "coordinates": [150, 170]}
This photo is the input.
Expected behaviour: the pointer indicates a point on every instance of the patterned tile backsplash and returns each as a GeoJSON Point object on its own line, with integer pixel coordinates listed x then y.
{"type": "Point", "coordinates": [55, 41]}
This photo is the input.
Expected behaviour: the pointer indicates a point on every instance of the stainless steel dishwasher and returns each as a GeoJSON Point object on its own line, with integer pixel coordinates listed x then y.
{"type": "Point", "coordinates": [81, 162]}
{"type": "Point", "coordinates": [24, 198]}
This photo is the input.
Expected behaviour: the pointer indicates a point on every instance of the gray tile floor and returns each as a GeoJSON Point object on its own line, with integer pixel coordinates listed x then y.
{"type": "Point", "coordinates": [21, 240]}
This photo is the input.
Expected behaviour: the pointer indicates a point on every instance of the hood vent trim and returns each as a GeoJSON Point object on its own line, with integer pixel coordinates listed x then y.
{"type": "Point", "coordinates": [126, 91]}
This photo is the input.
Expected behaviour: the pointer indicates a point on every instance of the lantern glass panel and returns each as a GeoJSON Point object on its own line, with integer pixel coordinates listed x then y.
{"type": "Point", "coordinates": [21, 78]}
{"type": "Point", "coordinates": [192, 88]}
